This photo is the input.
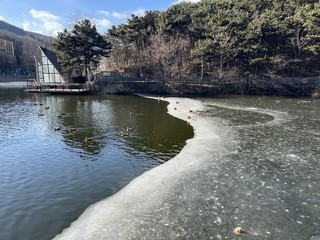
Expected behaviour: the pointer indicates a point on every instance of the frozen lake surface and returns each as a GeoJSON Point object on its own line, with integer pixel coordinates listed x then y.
{"type": "Point", "coordinates": [253, 163]}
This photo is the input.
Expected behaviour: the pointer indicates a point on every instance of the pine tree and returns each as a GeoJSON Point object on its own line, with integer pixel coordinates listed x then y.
{"type": "Point", "coordinates": [81, 47]}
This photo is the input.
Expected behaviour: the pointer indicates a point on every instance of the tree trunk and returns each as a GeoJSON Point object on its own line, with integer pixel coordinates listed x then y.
{"type": "Point", "coordinates": [202, 70]}
{"type": "Point", "coordinates": [88, 74]}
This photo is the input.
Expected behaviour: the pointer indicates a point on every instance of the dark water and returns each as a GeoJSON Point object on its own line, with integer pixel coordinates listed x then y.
{"type": "Point", "coordinates": [261, 174]}
{"type": "Point", "coordinates": [48, 177]}
{"type": "Point", "coordinates": [254, 163]}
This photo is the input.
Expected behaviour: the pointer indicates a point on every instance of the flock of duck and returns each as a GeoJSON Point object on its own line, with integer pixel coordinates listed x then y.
{"type": "Point", "coordinates": [86, 139]}
{"type": "Point", "coordinates": [190, 111]}
{"type": "Point", "coordinates": [126, 132]}
{"type": "Point", "coordinates": [122, 133]}
{"type": "Point", "coordinates": [41, 114]}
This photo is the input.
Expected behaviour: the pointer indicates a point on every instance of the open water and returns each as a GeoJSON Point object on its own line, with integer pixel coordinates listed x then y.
{"type": "Point", "coordinates": [253, 165]}
{"type": "Point", "coordinates": [48, 177]}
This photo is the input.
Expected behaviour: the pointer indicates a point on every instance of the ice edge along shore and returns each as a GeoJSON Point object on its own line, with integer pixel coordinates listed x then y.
{"type": "Point", "coordinates": [120, 215]}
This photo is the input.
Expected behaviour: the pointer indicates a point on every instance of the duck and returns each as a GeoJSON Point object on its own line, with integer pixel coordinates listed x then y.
{"type": "Point", "coordinates": [238, 230]}
{"type": "Point", "coordinates": [40, 114]}
{"type": "Point", "coordinates": [57, 128]}
{"type": "Point", "coordinates": [124, 134]}
{"type": "Point", "coordinates": [86, 139]}
{"type": "Point", "coordinates": [129, 129]}
{"type": "Point", "coordinates": [47, 107]}
{"type": "Point", "coordinates": [72, 129]}
{"type": "Point", "coordinates": [190, 111]}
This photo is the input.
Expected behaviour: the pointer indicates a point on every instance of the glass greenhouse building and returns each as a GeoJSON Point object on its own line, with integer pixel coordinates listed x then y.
{"type": "Point", "coordinates": [48, 70]}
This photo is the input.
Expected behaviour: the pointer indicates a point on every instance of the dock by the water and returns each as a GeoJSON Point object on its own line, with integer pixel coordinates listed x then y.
{"type": "Point", "coordinates": [61, 89]}
{"type": "Point", "coordinates": [11, 81]}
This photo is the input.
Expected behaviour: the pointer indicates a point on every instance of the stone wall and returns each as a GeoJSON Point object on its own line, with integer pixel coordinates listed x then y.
{"type": "Point", "coordinates": [293, 87]}
{"type": "Point", "coordinates": [12, 78]}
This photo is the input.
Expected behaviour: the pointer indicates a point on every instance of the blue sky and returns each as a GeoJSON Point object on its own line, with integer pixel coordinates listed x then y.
{"type": "Point", "coordinates": [50, 16]}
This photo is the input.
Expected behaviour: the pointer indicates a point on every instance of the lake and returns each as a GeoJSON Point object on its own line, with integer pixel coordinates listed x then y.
{"type": "Point", "coordinates": [252, 164]}
{"type": "Point", "coordinates": [60, 153]}
{"type": "Point", "coordinates": [268, 182]}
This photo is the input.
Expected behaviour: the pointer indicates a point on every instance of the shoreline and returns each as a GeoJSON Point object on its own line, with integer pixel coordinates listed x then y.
{"type": "Point", "coordinates": [14, 84]}
{"type": "Point", "coordinates": [294, 89]}
{"type": "Point", "coordinates": [211, 189]}
{"type": "Point", "coordinates": [286, 87]}
{"type": "Point", "coordinates": [120, 216]}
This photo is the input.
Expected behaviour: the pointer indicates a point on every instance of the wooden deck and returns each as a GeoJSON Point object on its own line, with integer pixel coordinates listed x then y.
{"type": "Point", "coordinates": [61, 89]}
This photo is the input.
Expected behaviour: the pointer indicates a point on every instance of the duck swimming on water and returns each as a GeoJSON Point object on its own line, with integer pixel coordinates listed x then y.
{"type": "Point", "coordinates": [86, 139]}
{"type": "Point", "coordinates": [124, 134]}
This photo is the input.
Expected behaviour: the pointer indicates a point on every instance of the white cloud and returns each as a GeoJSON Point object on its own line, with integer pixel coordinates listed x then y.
{"type": "Point", "coordinates": [103, 12]}
{"type": "Point", "coordinates": [189, 1]}
{"type": "Point", "coordinates": [102, 24]}
{"type": "Point", "coordinates": [140, 12]}
{"type": "Point", "coordinates": [119, 15]}
{"type": "Point", "coordinates": [47, 23]}
{"type": "Point", "coordinates": [1, 18]}
{"type": "Point", "coordinates": [52, 27]}
{"type": "Point", "coordinates": [43, 15]}
{"type": "Point", "coordinates": [31, 26]}
{"type": "Point", "coordinates": [26, 25]}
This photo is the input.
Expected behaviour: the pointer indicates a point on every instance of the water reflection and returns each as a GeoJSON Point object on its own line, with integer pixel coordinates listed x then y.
{"type": "Point", "coordinates": [48, 177]}
{"type": "Point", "coordinates": [101, 120]}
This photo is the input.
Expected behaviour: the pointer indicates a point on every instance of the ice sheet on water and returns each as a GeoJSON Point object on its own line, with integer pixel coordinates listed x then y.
{"type": "Point", "coordinates": [163, 197]}
{"type": "Point", "coordinates": [263, 116]}
{"type": "Point", "coordinates": [222, 179]}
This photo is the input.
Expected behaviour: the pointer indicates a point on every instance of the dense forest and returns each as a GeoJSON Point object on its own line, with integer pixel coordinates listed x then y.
{"type": "Point", "coordinates": [220, 39]}
{"type": "Point", "coordinates": [25, 47]}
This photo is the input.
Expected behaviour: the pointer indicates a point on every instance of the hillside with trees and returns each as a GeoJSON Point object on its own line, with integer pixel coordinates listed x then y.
{"type": "Point", "coordinates": [220, 39]}
{"type": "Point", "coordinates": [25, 47]}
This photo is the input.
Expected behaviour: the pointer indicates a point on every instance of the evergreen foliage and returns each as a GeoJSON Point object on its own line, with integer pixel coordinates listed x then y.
{"type": "Point", "coordinates": [81, 47]}
{"type": "Point", "coordinates": [223, 39]}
